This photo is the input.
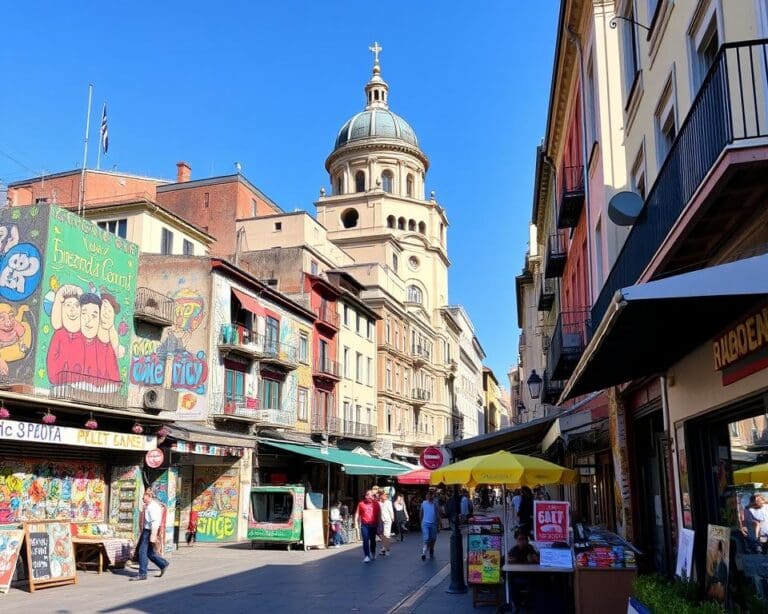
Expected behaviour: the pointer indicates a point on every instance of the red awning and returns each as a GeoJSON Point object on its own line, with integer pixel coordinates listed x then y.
{"type": "Point", "coordinates": [417, 476]}
{"type": "Point", "coordinates": [248, 302]}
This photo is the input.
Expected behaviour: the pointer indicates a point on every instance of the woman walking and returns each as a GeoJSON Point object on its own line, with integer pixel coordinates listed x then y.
{"type": "Point", "coordinates": [401, 516]}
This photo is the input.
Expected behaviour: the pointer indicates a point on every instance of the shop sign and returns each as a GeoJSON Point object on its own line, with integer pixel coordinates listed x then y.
{"type": "Point", "coordinates": [742, 349]}
{"type": "Point", "coordinates": [432, 458]}
{"type": "Point", "coordinates": [550, 521]}
{"type": "Point", "coordinates": [15, 430]}
{"type": "Point", "coordinates": [154, 458]}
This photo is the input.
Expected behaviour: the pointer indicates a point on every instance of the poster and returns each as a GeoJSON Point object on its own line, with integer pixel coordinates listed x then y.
{"type": "Point", "coordinates": [551, 521]}
{"type": "Point", "coordinates": [10, 544]}
{"type": "Point", "coordinates": [718, 550]}
{"type": "Point", "coordinates": [42, 490]}
{"type": "Point", "coordinates": [484, 559]}
{"type": "Point", "coordinates": [216, 497]}
{"type": "Point", "coordinates": [125, 500]}
{"type": "Point", "coordinates": [684, 554]}
{"type": "Point", "coordinates": [50, 553]}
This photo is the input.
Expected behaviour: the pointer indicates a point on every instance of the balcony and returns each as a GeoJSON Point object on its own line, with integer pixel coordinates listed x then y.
{"type": "Point", "coordinates": [89, 389]}
{"type": "Point", "coordinates": [280, 355]}
{"type": "Point", "coordinates": [557, 254]}
{"type": "Point", "coordinates": [547, 292]}
{"type": "Point", "coordinates": [358, 430]}
{"type": "Point", "coordinates": [571, 196]}
{"type": "Point", "coordinates": [551, 389]}
{"type": "Point", "coordinates": [327, 315]}
{"type": "Point", "coordinates": [237, 339]}
{"type": "Point", "coordinates": [729, 110]}
{"type": "Point", "coordinates": [237, 407]}
{"type": "Point", "coordinates": [420, 396]}
{"type": "Point", "coordinates": [420, 355]}
{"type": "Point", "coordinates": [276, 417]}
{"type": "Point", "coordinates": [153, 307]}
{"type": "Point", "coordinates": [569, 339]}
{"type": "Point", "coordinates": [331, 425]}
{"type": "Point", "coordinates": [326, 369]}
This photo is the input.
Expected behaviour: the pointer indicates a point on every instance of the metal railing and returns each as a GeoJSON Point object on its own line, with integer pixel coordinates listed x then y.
{"type": "Point", "coordinates": [571, 196]}
{"type": "Point", "coordinates": [557, 253]}
{"type": "Point", "coordinates": [88, 389]}
{"type": "Point", "coordinates": [238, 335]}
{"type": "Point", "coordinates": [420, 394]}
{"type": "Point", "coordinates": [421, 352]}
{"type": "Point", "coordinates": [328, 314]}
{"type": "Point", "coordinates": [240, 406]}
{"type": "Point", "coordinates": [569, 339]}
{"type": "Point", "coordinates": [154, 306]}
{"type": "Point", "coordinates": [729, 107]}
{"type": "Point", "coordinates": [358, 429]}
{"type": "Point", "coordinates": [326, 367]}
{"type": "Point", "coordinates": [279, 352]}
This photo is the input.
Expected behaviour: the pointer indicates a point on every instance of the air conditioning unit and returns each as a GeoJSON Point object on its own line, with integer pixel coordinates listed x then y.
{"type": "Point", "coordinates": [160, 399]}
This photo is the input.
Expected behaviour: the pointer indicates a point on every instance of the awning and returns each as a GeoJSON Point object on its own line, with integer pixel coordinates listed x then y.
{"type": "Point", "coordinates": [195, 434]}
{"type": "Point", "coordinates": [567, 426]}
{"type": "Point", "coordinates": [520, 438]}
{"type": "Point", "coordinates": [352, 463]}
{"type": "Point", "coordinates": [649, 327]}
{"type": "Point", "coordinates": [248, 302]}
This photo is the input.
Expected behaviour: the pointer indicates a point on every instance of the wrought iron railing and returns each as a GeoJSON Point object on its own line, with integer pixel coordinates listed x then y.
{"type": "Point", "coordinates": [240, 406]}
{"type": "Point", "coordinates": [359, 429]}
{"type": "Point", "coordinates": [730, 106]}
{"type": "Point", "coordinates": [420, 394]}
{"type": "Point", "coordinates": [421, 352]}
{"type": "Point", "coordinates": [88, 389]}
{"type": "Point", "coordinates": [569, 338]}
{"type": "Point", "coordinates": [328, 314]}
{"type": "Point", "coordinates": [326, 367]}
{"type": "Point", "coordinates": [152, 305]}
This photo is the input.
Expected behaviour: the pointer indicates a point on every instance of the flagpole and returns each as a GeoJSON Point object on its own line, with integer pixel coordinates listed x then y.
{"type": "Point", "coordinates": [85, 151]}
{"type": "Point", "coordinates": [98, 148]}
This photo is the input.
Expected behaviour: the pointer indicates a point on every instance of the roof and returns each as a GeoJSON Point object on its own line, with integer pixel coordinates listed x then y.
{"type": "Point", "coordinates": [522, 438]}
{"type": "Point", "coordinates": [351, 463]}
{"type": "Point", "coordinates": [47, 176]}
{"type": "Point", "coordinates": [196, 183]}
{"type": "Point", "coordinates": [375, 123]}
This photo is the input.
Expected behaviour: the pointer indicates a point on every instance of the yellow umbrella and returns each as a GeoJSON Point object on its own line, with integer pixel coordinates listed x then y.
{"type": "Point", "coordinates": [503, 468]}
{"type": "Point", "coordinates": [750, 475]}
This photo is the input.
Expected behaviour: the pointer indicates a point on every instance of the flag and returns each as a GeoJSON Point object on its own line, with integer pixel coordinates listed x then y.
{"type": "Point", "coordinates": [103, 133]}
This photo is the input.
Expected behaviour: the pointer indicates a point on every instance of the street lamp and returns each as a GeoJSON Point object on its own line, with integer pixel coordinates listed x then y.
{"type": "Point", "coordinates": [534, 384]}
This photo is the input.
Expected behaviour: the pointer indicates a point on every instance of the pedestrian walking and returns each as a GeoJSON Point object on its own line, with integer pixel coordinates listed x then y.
{"type": "Point", "coordinates": [151, 536]}
{"type": "Point", "coordinates": [466, 506]}
{"type": "Point", "coordinates": [401, 516]}
{"type": "Point", "coordinates": [192, 528]}
{"type": "Point", "coordinates": [367, 517]}
{"type": "Point", "coordinates": [429, 515]}
{"type": "Point", "coordinates": [336, 528]}
{"type": "Point", "coordinates": [387, 518]}
{"type": "Point", "coordinates": [525, 511]}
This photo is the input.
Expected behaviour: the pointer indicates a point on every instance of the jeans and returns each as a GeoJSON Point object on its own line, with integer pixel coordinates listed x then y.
{"type": "Point", "coordinates": [368, 535]}
{"type": "Point", "coordinates": [429, 532]}
{"type": "Point", "coordinates": [147, 551]}
{"type": "Point", "coordinates": [338, 536]}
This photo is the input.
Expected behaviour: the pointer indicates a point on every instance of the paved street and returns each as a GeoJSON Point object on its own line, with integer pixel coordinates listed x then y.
{"type": "Point", "coordinates": [238, 579]}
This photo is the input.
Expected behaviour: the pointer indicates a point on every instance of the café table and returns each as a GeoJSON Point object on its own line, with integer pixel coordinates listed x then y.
{"type": "Point", "coordinates": [510, 569]}
{"type": "Point", "coordinates": [102, 552]}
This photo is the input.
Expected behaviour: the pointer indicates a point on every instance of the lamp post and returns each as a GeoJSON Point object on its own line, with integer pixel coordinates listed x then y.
{"type": "Point", "coordinates": [534, 384]}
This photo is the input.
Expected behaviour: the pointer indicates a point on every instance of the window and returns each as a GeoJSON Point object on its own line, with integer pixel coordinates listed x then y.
{"type": "Point", "coordinates": [304, 347]}
{"type": "Point", "coordinates": [346, 315]}
{"type": "Point", "coordinates": [401, 223]}
{"type": "Point", "coordinates": [369, 373]}
{"type": "Point", "coordinates": [391, 221]}
{"type": "Point", "coordinates": [665, 123]}
{"type": "Point", "coordinates": [389, 418]}
{"type": "Point", "coordinates": [349, 218]}
{"type": "Point", "coordinates": [116, 227]}
{"type": "Point", "coordinates": [166, 242]}
{"type": "Point", "coordinates": [412, 225]}
{"type": "Point", "coordinates": [359, 368]}
{"type": "Point", "coordinates": [359, 181]}
{"type": "Point", "coordinates": [414, 294]}
{"type": "Point", "coordinates": [358, 322]}
{"type": "Point", "coordinates": [188, 248]}
{"type": "Point", "coordinates": [346, 362]}
{"type": "Point", "coordinates": [389, 375]}
{"type": "Point", "coordinates": [347, 410]}
{"type": "Point", "coordinates": [303, 403]}
{"type": "Point", "coordinates": [394, 262]}
{"type": "Point", "coordinates": [591, 110]}
{"type": "Point", "coordinates": [387, 331]}
{"type": "Point", "coordinates": [278, 226]}
{"type": "Point", "coordinates": [630, 53]}
{"type": "Point", "coordinates": [704, 43]}
{"type": "Point", "coordinates": [638, 174]}
{"type": "Point", "coordinates": [206, 200]}
{"type": "Point", "coordinates": [254, 207]}
{"type": "Point", "coordinates": [369, 329]}
{"type": "Point", "coordinates": [270, 393]}
{"type": "Point", "coordinates": [234, 385]}
{"type": "Point", "coordinates": [272, 336]}
{"type": "Point", "coordinates": [422, 228]}
{"type": "Point", "coordinates": [323, 353]}
{"type": "Point", "coordinates": [599, 253]}
{"type": "Point", "coordinates": [339, 185]}
{"type": "Point", "coordinates": [409, 186]}
{"type": "Point", "coordinates": [313, 268]}
{"type": "Point", "coordinates": [387, 181]}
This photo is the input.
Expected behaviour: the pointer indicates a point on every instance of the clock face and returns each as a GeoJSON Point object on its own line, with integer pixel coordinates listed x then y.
{"type": "Point", "coordinates": [413, 262]}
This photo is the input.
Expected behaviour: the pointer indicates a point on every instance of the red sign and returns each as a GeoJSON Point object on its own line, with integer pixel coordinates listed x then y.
{"type": "Point", "coordinates": [550, 521]}
{"type": "Point", "coordinates": [154, 458]}
{"type": "Point", "coordinates": [432, 458]}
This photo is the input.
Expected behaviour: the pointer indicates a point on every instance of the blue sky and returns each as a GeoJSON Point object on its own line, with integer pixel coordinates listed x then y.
{"type": "Point", "coordinates": [269, 84]}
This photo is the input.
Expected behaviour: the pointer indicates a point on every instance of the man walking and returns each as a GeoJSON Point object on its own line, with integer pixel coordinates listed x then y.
{"type": "Point", "coordinates": [367, 517]}
{"type": "Point", "coordinates": [151, 520]}
{"type": "Point", "coordinates": [429, 515]}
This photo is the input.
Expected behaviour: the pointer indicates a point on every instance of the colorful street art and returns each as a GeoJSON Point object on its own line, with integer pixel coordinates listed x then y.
{"type": "Point", "coordinates": [164, 487]}
{"type": "Point", "coordinates": [87, 316]}
{"type": "Point", "coordinates": [42, 490]}
{"type": "Point", "coordinates": [177, 360]}
{"type": "Point", "coordinates": [216, 495]}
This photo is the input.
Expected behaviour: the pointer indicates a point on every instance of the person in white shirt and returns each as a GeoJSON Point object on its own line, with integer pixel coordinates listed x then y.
{"type": "Point", "coordinates": [429, 515]}
{"type": "Point", "coordinates": [757, 521]}
{"type": "Point", "coordinates": [387, 518]}
{"type": "Point", "coordinates": [151, 520]}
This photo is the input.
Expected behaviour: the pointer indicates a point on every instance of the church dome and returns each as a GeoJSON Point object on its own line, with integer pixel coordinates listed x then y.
{"type": "Point", "coordinates": [376, 123]}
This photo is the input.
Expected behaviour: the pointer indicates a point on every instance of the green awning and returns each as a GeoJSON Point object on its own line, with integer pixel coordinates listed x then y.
{"type": "Point", "coordinates": [351, 463]}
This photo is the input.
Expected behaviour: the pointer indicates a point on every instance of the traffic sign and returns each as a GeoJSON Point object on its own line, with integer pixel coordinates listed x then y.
{"type": "Point", "coordinates": [154, 458]}
{"type": "Point", "coordinates": [432, 458]}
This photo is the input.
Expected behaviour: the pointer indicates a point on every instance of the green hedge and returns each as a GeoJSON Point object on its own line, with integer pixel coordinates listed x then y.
{"type": "Point", "coordinates": [663, 596]}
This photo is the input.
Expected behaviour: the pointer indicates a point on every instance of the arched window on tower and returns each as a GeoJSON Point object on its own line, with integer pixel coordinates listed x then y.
{"type": "Point", "coordinates": [359, 181]}
{"type": "Point", "coordinates": [401, 223]}
{"type": "Point", "coordinates": [415, 294]}
{"type": "Point", "coordinates": [412, 225]}
{"type": "Point", "coordinates": [340, 184]}
{"type": "Point", "coordinates": [349, 218]}
{"type": "Point", "coordinates": [391, 221]}
{"type": "Point", "coordinates": [409, 186]}
{"type": "Point", "coordinates": [422, 228]}
{"type": "Point", "coordinates": [387, 181]}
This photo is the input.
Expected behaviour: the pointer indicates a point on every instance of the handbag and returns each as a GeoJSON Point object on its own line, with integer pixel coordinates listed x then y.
{"type": "Point", "coordinates": [380, 528]}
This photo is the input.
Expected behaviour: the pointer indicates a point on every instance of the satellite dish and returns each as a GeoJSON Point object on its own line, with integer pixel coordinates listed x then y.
{"type": "Point", "coordinates": [624, 207]}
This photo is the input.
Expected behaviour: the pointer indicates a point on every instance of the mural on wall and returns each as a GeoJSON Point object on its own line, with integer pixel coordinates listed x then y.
{"type": "Point", "coordinates": [41, 490]}
{"type": "Point", "coordinates": [178, 359]}
{"type": "Point", "coordinates": [22, 232]}
{"type": "Point", "coordinates": [164, 487]}
{"type": "Point", "coordinates": [216, 495]}
{"type": "Point", "coordinates": [87, 318]}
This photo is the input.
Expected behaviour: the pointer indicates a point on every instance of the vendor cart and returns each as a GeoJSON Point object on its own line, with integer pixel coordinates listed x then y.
{"type": "Point", "coordinates": [276, 515]}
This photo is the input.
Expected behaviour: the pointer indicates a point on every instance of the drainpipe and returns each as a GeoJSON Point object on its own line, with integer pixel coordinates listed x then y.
{"type": "Point", "coordinates": [585, 154]}
{"type": "Point", "coordinates": [672, 436]}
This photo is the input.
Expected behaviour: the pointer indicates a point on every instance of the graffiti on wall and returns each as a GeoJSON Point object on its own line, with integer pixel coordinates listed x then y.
{"type": "Point", "coordinates": [42, 490]}
{"type": "Point", "coordinates": [216, 494]}
{"type": "Point", "coordinates": [164, 487]}
{"type": "Point", "coordinates": [87, 317]}
{"type": "Point", "coordinates": [178, 359]}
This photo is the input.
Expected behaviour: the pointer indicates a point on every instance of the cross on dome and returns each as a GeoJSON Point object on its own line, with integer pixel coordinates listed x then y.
{"type": "Point", "coordinates": [376, 49]}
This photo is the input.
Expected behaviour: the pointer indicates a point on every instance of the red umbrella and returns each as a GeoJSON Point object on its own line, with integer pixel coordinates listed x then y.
{"type": "Point", "coordinates": [416, 477]}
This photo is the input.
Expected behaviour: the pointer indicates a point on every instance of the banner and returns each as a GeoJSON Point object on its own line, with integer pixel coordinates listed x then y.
{"type": "Point", "coordinates": [15, 430]}
{"type": "Point", "coordinates": [551, 521]}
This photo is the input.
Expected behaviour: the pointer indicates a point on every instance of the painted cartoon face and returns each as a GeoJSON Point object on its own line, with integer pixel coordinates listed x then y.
{"type": "Point", "coordinates": [107, 315]}
{"type": "Point", "coordinates": [89, 320]}
{"type": "Point", "coordinates": [70, 313]}
{"type": "Point", "coordinates": [7, 321]}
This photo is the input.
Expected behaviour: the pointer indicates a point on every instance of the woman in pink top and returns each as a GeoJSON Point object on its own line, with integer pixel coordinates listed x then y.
{"type": "Point", "coordinates": [367, 516]}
